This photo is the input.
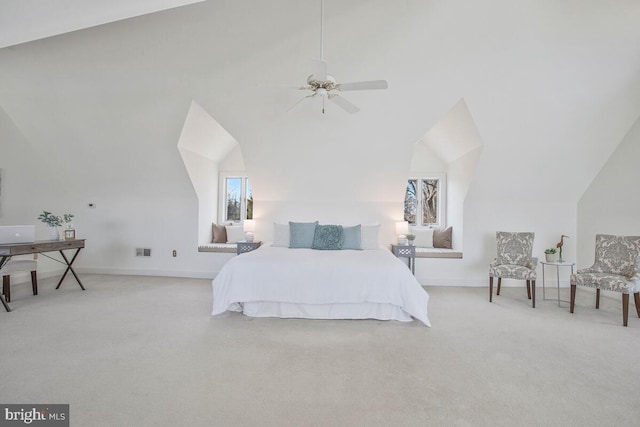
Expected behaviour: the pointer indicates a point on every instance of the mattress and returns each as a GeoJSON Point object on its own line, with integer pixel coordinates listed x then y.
{"type": "Point", "coordinates": [306, 283]}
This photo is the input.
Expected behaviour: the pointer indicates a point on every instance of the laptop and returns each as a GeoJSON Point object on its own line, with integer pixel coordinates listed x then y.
{"type": "Point", "coordinates": [17, 234]}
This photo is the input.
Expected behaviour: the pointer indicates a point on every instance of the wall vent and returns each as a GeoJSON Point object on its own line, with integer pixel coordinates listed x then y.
{"type": "Point", "coordinates": [143, 251]}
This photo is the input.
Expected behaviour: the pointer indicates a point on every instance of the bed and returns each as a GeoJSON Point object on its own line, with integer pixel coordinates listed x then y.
{"type": "Point", "coordinates": [320, 284]}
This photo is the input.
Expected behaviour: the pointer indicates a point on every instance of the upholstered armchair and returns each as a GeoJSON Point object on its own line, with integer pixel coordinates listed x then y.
{"type": "Point", "coordinates": [616, 268]}
{"type": "Point", "coordinates": [514, 261]}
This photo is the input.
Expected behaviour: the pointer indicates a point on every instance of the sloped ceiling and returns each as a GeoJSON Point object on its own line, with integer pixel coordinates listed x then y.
{"type": "Point", "coordinates": [23, 21]}
{"type": "Point", "coordinates": [552, 86]}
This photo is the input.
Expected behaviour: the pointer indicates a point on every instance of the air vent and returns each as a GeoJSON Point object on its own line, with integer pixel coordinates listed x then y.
{"type": "Point", "coordinates": [143, 251]}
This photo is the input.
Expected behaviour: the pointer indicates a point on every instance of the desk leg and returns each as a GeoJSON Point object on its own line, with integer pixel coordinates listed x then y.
{"type": "Point", "coordinates": [4, 303]}
{"type": "Point", "coordinates": [69, 264]}
{"type": "Point", "coordinates": [6, 306]}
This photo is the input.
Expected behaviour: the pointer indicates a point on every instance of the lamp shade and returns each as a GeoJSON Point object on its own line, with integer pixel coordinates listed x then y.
{"type": "Point", "coordinates": [402, 227]}
{"type": "Point", "coordinates": [249, 225]}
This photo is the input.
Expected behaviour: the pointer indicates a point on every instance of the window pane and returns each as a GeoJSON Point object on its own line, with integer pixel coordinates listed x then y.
{"type": "Point", "coordinates": [249, 201]}
{"type": "Point", "coordinates": [233, 197]}
{"type": "Point", "coordinates": [411, 202]}
{"type": "Point", "coordinates": [430, 201]}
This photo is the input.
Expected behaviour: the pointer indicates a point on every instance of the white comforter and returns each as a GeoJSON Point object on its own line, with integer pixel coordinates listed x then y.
{"type": "Point", "coordinates": [337, 279]}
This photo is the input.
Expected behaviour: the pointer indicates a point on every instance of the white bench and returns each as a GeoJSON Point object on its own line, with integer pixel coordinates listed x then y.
{"type": "Point", "coordinates": [437, 253]}
{"type": "Point", "coordinates": [230, 248]}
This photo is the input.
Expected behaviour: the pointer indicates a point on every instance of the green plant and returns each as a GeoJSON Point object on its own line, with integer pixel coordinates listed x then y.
{"type": "Point", "coordinates": [53, 220]}
{"type": "Point", "coordinates": [411, 236]}
{"type": "Point", "coordinates": [550, 251]}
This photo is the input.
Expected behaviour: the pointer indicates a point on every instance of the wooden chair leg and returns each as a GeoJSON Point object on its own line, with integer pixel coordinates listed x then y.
{"type": "Point", "coordinates": [597, 298]}
{"type": "Point", "coordinates": [636, 298]}
{"type": "Point", "coordinates": [34, 282]}
{"type": "Point", "coordinates": [6, 288]}
{"type": "Point", "coordinates": [572, 300]}
{"type": "Point", "coordinates": [533, 293]}
{"type": "Point", "coordinates": [490, 288]}
{"type": "Point", "coordinates": [499, 283]}
{"type": "Point", "coordinates": [528, 289]}
{"type": "Point", "coordinates": [625, 309]}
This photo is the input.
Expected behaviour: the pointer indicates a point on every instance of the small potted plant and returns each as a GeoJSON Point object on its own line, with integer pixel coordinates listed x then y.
{"type": "Point", "coordinates": [53, 222]}
{"type": "Point", "coordinates": [550, 254]}
{"type": "Point", "coordinates": [411, 238]}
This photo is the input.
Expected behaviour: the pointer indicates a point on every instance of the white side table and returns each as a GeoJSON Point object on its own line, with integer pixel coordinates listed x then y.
{"type": "Point", "coordinates": [557, 265]}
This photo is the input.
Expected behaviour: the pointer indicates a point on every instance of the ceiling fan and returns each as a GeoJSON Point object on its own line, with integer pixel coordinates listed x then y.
{"type": "Point", "coordinates": [325, 86]}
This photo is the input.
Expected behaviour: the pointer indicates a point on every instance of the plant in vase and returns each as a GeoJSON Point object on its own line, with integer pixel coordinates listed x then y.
{"type": "Point", "coordinates": [411, 238]}
{"type": "Point", "coordinates": [53, 222]}
{"type": "Point", "coordinates": [550, 254]}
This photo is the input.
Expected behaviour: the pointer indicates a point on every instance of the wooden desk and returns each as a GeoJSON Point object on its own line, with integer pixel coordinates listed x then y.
{"type": "Point", "coordinates": [9, 250]}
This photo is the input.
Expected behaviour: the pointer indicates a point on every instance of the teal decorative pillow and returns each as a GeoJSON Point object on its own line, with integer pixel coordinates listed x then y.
{"type": "Point", "coordinates": [352, 237]}
{"type": "Point", "coordinates": [328, 237]}
{"type": "Point", "coordinates": [301, 234]}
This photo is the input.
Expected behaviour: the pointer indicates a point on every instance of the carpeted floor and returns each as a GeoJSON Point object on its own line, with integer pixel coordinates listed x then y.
{"type": "Point", "coordinates": [142, 351]}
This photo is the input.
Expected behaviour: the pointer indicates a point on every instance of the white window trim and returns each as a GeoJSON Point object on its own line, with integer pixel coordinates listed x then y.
{"type": "Point", "coordinates": [222, 196]}
{"type": "Point", "coordinates": [442, 194]}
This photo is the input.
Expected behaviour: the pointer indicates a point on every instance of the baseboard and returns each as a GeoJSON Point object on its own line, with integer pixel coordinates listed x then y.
{"type": "Point", "coordinates": [139, 272]}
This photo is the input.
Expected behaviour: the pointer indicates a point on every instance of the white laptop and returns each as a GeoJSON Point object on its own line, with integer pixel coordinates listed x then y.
{"type": "Point", "coordinates": [17, 234]}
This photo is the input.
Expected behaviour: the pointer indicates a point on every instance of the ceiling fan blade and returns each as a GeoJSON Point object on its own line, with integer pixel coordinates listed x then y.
{"type": "Point", "coordinates": [300, 100]}
{"type": "Point", "coordinates": [374, 84]}
{"type": "Point", "coordinates": [299, 87]}
{"type": "Point", "coordinates": [319, 68]}
{"type": "Point", "coordinates": [344, 104]}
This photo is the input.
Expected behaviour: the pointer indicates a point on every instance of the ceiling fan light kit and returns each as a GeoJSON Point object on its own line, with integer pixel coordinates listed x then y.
{"type": "Point", "coordinates": [324, 85]}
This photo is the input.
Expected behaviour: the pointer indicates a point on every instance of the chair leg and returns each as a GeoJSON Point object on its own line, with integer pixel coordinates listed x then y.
{"type": "Point", "coordinates": [34, 282]}
{"type": "Point", "coordinates": [533, 293]}
{"type": "Point", "coordinates": [528, 289]}
{"type": "Point", "coordinates": [572, 301]}
{"type": "Point", "coordinates": [490, 288]}
{"type": "Point", "coordinates": [636, 298]}
{"type": "Point", "coordinates": [499, 283]}
{"type": "Point", "coordinates": [625, 309]}
{"type": "Point", "coordinates": [6, 288]}
{"type": "Point", "coordinates": [597, 298]}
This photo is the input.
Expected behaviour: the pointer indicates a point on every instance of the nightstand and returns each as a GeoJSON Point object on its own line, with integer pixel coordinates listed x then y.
{"type": "Point", "coordinates": [406, 251]}
{"type": "Point", "coordinates": [244, 247]}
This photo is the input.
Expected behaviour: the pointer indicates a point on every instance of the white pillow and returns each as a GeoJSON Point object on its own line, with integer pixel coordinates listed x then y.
{"type": "Point", "coordinates": [235, 233]}
{"type": "Point", "coordinates": [369, 236]}
{"type": "Point", "coordinates": [281, 235]}
{"type": "Point", "coordinates": [424, 237]}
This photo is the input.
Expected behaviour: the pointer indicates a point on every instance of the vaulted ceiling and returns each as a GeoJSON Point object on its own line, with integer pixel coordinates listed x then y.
{"type": "Point", "coordinates": [551, 85]}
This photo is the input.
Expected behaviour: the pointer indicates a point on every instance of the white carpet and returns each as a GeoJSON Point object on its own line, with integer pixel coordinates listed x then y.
{"type": "Point", "coordinates": [141, 351]}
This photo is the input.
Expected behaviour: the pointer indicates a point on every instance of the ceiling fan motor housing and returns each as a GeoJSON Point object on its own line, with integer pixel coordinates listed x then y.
{"type": "Point", "coordinates": [328, 84]}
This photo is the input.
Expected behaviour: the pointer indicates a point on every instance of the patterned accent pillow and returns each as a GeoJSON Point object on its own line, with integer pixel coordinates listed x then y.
{"type": "Point", "coordinates": [328, 237]}
{"type": "Point", "coordinates": [514, 248]}
{"type": "Point", "coordinates": [616, 254]}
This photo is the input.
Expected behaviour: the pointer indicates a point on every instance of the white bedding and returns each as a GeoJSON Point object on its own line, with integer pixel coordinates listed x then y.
{"type": "Point", "coordinates": [283, 282]}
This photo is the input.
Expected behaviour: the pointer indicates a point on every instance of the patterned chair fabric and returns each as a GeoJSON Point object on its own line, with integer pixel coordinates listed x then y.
{"type": "Point", "coordinates": [513, 260]}
{"type": "Point", "coordinates": [616, 268]}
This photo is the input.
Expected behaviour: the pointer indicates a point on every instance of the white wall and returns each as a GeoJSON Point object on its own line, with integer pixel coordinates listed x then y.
{"type": "Point", "coordinates": [106, 106]}
{"type": "Point", "coordinates": [611, 204]}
